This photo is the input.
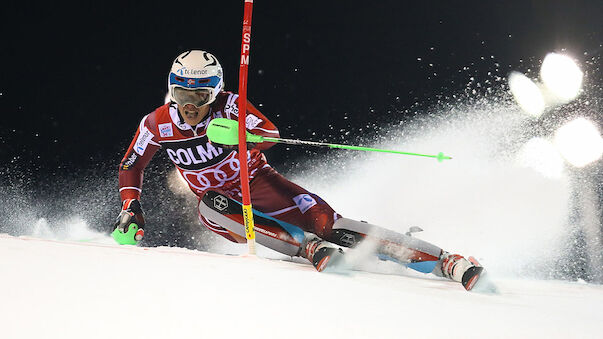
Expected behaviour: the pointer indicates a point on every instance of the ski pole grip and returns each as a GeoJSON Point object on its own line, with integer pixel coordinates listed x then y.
{"type": "Point", "coordinates": [127, 238]}
{"type": "Point", "coordinates": [226, 132]}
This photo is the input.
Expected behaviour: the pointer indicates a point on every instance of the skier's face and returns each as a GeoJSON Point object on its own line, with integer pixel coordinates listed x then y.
{"type": "Point", "coordinates": [192, 114]}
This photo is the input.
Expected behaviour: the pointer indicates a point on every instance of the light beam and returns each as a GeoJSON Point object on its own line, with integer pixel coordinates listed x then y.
{"type": "Point", "coordinates": [561, 76]}
{"type": "Point", "coordinates": [579, 142]}
{"type": "Point", "coordinates": [526, 94]}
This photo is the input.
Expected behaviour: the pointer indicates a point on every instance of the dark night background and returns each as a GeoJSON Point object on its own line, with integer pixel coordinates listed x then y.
{"type": "Point", "coordinates": [77, 79]}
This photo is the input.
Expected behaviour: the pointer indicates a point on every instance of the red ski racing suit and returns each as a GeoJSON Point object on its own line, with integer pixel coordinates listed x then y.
{"type": "Point", "coordinates": [205, 166]}
{"type": "Point", "coordinates": [286, 212]}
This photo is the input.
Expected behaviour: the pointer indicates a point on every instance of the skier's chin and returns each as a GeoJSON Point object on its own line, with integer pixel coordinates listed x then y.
{"type": "Point", "coordinates": [193, 115]}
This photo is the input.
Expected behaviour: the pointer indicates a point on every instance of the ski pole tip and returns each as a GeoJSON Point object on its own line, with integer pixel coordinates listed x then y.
{"type": "Point", "coordinates": [441, 157]}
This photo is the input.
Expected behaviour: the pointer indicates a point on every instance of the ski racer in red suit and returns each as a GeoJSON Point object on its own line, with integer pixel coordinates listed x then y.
{"type": "Point", "coordinates": [289, 219]}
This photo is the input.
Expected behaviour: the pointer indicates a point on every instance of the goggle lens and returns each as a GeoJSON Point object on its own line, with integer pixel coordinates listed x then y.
{"type": "Point", "coordinates": [197, 97]}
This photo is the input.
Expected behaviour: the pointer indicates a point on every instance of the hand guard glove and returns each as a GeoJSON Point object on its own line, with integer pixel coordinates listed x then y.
{"type": "Point", "coordinates": [129, 224]}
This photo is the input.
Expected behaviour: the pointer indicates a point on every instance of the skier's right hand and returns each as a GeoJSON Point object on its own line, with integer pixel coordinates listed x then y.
{"type": "Point", "coordinates": [131, 213]}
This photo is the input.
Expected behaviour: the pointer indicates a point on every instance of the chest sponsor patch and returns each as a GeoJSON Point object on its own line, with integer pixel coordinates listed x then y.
{"type": "Point", "coordinates": [165, 130]}
{"type": "Point", "coordinates": [144, 137]}
{"type": "Point", "coordinates": [304, 202]}
{"type": "Point", "coordinates": [194, 154]}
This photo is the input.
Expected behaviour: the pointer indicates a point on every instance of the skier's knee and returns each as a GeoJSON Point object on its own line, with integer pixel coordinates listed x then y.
{"type": "Point", "coordinates": [323, 223]}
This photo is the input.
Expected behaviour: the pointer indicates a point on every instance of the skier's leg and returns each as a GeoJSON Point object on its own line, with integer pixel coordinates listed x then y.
{"type": "Point", "coordinates": [226, 213]}
{"type": "Point", "coordinates": [216, 228]}
{"type": "Point", "coordinates": [289, 218]}
{"type": "Point", "coordinates": [414, 253]}
{"type": "Point", "coordinates": [282, 199]}
{"type": "Point", "coordinates": [276, 196]}
{"type": "Point", "coordinates": [288, 203]}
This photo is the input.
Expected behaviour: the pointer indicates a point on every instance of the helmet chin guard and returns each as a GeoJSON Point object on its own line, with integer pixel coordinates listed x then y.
{"type": "Point", "coordinates": [195, 78]}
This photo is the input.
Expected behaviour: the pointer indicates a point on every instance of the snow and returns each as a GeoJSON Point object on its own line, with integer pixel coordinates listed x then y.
{"type": "Point", "coordinates": [68, 289]}
{"type": "Point", "coordinates": [61, 279]}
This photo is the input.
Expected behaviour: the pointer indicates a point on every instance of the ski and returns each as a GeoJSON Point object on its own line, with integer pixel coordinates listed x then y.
{"type": "Point", "coordinates": [472, 275]}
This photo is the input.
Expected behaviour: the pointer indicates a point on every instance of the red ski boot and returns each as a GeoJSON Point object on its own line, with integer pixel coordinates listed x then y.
{"type": "Point", "coordinates": [322, 254]}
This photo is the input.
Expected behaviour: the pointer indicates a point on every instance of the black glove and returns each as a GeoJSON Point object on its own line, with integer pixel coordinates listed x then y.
{"type": "Point", "coordinates": [131, 213]}
{"type": "Point", "coordinates": [250, 145]}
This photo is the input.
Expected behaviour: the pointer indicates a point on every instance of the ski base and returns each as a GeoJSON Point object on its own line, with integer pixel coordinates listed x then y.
{"type": "Point", "coordinates": [477, 280]}
{"type": "Point", "coordinates": [328, 259]}
{"type": "Point", "coordinates": [471, 276]}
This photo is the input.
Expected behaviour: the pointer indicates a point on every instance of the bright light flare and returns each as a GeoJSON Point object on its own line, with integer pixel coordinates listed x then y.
{"type": "Point", "coordinates": [579, 142]}
{"type": "Point", "coordinates": [526, 94]}
{"type": "Point", "coordinates": [541, 155]}
{"type": "Point", "coordinates": [562, 76]}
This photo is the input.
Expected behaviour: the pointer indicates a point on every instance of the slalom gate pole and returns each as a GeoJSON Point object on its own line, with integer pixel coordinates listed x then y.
{"type": "Point", "coordinates": [245, 46]}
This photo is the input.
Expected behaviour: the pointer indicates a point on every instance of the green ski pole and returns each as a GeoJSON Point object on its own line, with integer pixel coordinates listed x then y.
{"type": "Point", "coordinates": [225, 131]}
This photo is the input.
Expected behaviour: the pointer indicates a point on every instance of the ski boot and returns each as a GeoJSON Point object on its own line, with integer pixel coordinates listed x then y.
{"type": "Point", "coordinates": [457, 268]}
{"type": "Point", "coordinates": [322, 254]}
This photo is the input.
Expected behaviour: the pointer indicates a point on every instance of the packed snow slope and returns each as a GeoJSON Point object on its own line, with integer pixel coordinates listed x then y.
{"type": "Point", "coordinates": [61, 289]}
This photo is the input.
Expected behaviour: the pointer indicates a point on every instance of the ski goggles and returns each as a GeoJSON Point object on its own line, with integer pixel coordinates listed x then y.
{"type": "Point", "coordinates": [197, 97]}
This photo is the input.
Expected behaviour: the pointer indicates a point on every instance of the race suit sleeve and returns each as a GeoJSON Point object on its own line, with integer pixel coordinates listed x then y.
{"type": "Point", "coordinates": [142, 148]}
{"type": "Point", "coordinates": [255, 122]}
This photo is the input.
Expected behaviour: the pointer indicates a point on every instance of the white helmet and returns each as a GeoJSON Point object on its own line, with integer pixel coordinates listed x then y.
{"type": "Point", "coordinates": [195, 78]}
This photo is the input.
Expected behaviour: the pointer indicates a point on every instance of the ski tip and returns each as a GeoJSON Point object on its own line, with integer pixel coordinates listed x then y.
{"type": "Point", "coordinates": [474, 261]}
{"type": "Point", "coordinates": [471, 277]}
{"type": "Point", "coordinates": [334, 264]}
{"type": "Point", "coordinates": [478, 280]}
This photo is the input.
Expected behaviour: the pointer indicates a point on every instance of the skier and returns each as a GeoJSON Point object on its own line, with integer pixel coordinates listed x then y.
{"type": "Point", "coordinates": [288, 218]}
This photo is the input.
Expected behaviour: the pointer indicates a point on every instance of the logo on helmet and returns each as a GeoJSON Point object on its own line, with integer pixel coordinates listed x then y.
{"type": "Point", "coordinates": [185, 71]}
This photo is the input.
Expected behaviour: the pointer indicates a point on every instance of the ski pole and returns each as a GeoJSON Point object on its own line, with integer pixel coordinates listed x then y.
{"type": "Point", "coordinates": [225, 131]}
